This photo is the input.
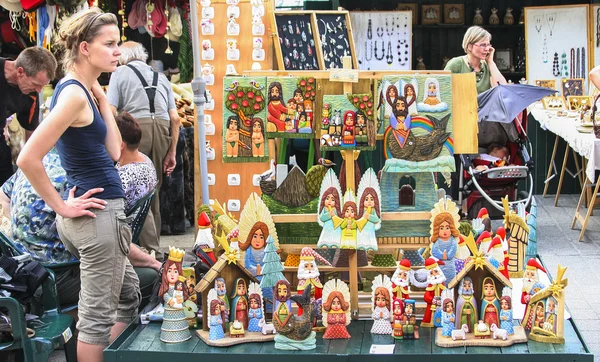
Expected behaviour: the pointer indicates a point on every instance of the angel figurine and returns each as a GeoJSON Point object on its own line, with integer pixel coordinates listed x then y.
{"type": "Point", "coordinates": [369, 196]}
{"type": "Point", "coordinates": [380, 298]}
{"type": "Point", "coordinates": [336, 309]}
{"type": "Point", "coordinates": [256, 225]}
{"type": "Point", "coordinates": [329, 207]}
{"type": "Point", "coordinates": [444, 235]}
{"type": "Point", "coordinates": [506, 315]}
{"type": "Point", "coordinates": [218, 317]}
{"type": "Point", "coordinates": [348, 224]}
{"type": "Point", "coordinates": [255, 311]}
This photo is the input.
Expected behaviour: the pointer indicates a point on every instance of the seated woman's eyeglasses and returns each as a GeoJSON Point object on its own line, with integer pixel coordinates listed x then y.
{"type": "Point", "coordinates": [484, 45]}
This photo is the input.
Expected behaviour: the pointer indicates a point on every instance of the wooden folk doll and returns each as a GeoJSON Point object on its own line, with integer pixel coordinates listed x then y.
{"type": "Point", "coordinates": [490, 305]}
{"type": "Point", "coordinates": [171, 272]}
{"type": "Point", "coordinates": [433, 293]}
{"type": "Point", "coordinates": [178, 293]}
{"type": "Point", "coordinates": [410, 330]}
{"type": "Point", "coordinates": [349, 224]}
{"type": "Point", "coordinates": [239, 303]}
{"type": "Point", "coordinates": [362, 138]}
{"type": "Point", "coordinates": [232, 136]}
{"type": "Point", "coordinates": [466, 305]}
{"type": "Point", "coordinates": [254, 245]}
{"type": "Point", "coordinates": [308, 109]}
{"type": "Point", "coordinates": [221, 290]}
{"type": "Point", "coordinates": [369, 196]}
{"type": "Point", "coordinates": [348, 128]}
{"type": "Point", "coordinates": [506, 316]}
{"type": "Point", "coordinates": [329, 208]}
{"type": "Point", "coordinates": [255, 305]}
{"type": "Point", "coordinates": [398, 320]}
{"type": "Point", "coordinates": [448, 317]}
{"type": "Point", "coordinates": [400, 280]}
{"type": "Point", "coordinates": [282, 310]}
{"type": "Point", "coordinates": [380, 307]}
{"type": "Point", "coordinates": [217, 319]}
{"type": "Point", "coordinates": [445, 244]}
{"type": "Point", "coordinates": [400, 121]}
{"type": "Point", "coordinates": [531, 285]}
{"type": "Point", "coordinates": [258, 138]}
{"type": "Point", "coordinates": [308, 274]}
{"type": "Point", "coordinates": [336, 309]}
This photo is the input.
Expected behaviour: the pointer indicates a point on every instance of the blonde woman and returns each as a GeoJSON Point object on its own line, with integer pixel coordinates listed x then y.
{"type": "Point", "coordinates": [479, 58]}
{"type": "Point", "coordinates": [91, 219]}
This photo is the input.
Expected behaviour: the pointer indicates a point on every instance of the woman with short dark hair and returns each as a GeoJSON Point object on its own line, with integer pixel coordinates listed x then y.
{"type": "Point", "coordinates": [136, 170]}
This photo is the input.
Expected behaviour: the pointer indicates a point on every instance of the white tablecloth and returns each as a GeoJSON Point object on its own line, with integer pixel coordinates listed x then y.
{"type": "Point", "coordinates": [585, 144]}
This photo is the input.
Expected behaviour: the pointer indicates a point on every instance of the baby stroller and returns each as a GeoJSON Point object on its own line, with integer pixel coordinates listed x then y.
{"type": "Point", "coordinates": [503, 120]}
{"type": "Point", "coordinates": [479, 189]}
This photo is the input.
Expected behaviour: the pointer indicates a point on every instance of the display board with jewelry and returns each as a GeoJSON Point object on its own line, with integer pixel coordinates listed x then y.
{"type": "Point", "coordinates": [335, 34]}
{"type": "Point", "coordinates": [383, 39]}
{"type": "Point", "coordinates": [296, 48]}
{"type": "Point", "coordinates": [557, 45]}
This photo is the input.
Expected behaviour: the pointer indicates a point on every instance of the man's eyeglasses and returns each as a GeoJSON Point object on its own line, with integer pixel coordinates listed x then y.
{"type": "Point", "coordinates": [484, 45]}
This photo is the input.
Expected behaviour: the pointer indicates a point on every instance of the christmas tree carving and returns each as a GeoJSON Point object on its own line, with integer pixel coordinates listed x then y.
{"type": "Point", "coordinates": [272, 267]}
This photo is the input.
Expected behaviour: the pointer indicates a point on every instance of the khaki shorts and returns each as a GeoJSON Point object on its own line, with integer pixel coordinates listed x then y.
{"type": "Point", "coordinates": [110, 290]}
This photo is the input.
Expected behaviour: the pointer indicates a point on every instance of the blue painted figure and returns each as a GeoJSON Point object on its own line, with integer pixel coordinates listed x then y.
{"type": "Point", "coordinates": [254, 245]}
{"type": "Point", "coordinates": [255, 314]}
{"type": "Point", "coordinates": [329, 207]}
{"type": "Point", "coordinates": [506, 317]}
{"type": "Point", "coordinates": [448, 318]}
{"type": "Point", "coordinates": [215, 322]}
{"type": "Point", "coordinates": [445, 244]}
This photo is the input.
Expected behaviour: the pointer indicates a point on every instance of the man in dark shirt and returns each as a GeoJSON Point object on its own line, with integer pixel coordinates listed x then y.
{"type": "Point", "coordinates": [20, 82]}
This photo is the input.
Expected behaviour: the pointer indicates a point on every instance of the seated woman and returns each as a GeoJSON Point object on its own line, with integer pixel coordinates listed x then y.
{"type": "Point", "coordinates": [135, 169]}
{"type": "Point", "coordinates": [497, 156]}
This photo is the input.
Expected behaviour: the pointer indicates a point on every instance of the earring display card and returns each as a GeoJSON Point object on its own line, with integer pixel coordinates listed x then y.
{"type": "Point", "coordinates": [290, 105]}
{"type": "Point", "coordinates": [297, 42]}
{"type": "Point", "coordinates": [383, 39]}
{"type": "Point", "coordinates": [557, 42]}
{"type": "Point", "coordinates": [244, 116]}
{"type": "Point", "coordinates": [336, 41]}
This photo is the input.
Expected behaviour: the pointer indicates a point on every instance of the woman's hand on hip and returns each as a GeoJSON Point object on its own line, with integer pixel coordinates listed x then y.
{"type": "Point", "coordinates": [79, 206]}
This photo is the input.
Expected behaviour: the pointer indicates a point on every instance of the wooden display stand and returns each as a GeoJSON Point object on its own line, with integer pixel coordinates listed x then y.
{"type": "Point", "coordinates": [464, 111]}
{"type": "Point", "coordinates": [220, 190]}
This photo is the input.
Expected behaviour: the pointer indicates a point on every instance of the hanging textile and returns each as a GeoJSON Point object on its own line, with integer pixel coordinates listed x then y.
{"type": "Point", "coordinates": [186, 57]}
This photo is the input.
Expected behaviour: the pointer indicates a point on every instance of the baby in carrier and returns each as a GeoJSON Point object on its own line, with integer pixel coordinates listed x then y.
{"type": "Point", "coordinates": [497, 156]}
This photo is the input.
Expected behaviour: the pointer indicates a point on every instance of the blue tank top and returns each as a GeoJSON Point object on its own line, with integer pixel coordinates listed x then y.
{"type": "Point", "coordinates": [84, 156]}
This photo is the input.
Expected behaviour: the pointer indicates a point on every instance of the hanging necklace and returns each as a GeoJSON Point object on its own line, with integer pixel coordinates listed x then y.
{"type": "Point", "coordinates": [380, 31]}
{"type": "Point", "coordinates": [545, 51]}
{"type": "Point", "coordinates": [598, 27]}
{"type": "Point", "coordinates": [382, 50]}
{"type": "Point", "coordinates": [389, 31]}
{"type": "Point", "coordinates": [367, 57]}
{"type": "Point", "coordinates": [369, 30]}
{"type": "Point", "coordinates": [389, 57]}
{"type": "Point", "coordinates": [538, 23]}
{"type": "Point", "coordinates": [572, 70]}
{"type": "Point", "coordinates": [555, 67]}
{"type": "Point", "coordinates": [550, 18]}
{"type": "Point", "coordinates": [564, 69]}
{"type": "Point", "coordinates": [582, 62]}
{"type": "Point", "coordinates": [478, 74]}
{"type": "Point", "coordinates": [578, 71]}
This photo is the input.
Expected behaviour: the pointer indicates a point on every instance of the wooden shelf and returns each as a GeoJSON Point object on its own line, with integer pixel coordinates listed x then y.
{"type": "Point", "coordinates": [326, 269]}
{"type": "Point", "coordinates": [387, 216]}
{"type": "Point", "coordinates": [465, 26]}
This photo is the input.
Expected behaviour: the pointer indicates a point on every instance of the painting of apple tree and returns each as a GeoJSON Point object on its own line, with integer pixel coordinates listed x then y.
{"type": "Point", "coordinates": [244, 129]}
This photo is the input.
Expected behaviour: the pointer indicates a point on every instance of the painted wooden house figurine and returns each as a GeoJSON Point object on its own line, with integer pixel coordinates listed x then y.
{"type": "Point", "coordinates": [549, 311]}
{"type": "Point", "coordinates": [478, 293]}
